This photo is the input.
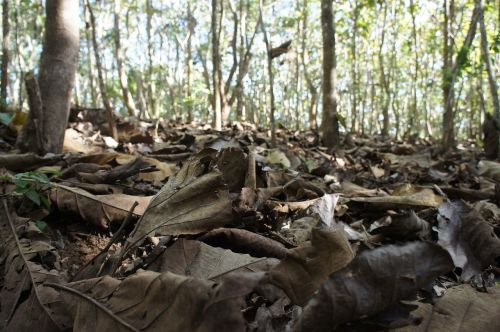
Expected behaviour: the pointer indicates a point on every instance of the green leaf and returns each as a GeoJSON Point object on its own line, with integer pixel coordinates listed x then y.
{"type": "Point", "coordinates": [33, 195]}
{"type": "Point", "coordinates": [41, 225]}
{"type": "Point", "coordinates": [45, 201]}
{"type": "Point", "coordinates": [5, 118]}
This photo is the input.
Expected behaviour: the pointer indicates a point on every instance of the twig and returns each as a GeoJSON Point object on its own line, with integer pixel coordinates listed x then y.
{"type": "Point", "coordinates": [93, 301]}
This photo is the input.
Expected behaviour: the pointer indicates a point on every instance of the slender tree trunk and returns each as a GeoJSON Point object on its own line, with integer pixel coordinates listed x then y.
{"type": "Point", "coordinates": [452, 69]}
{"type": "Point", "coordinates": [56, 78]}
{"type": "Point", "coordinates": [487, 62]}
{"type": "Point", "coordinates": [330, 125]}
{"type": "Point", "coordinates": [100, 76]}
{"type": "Point", "coordinates": [216, 64]}
{"type": "Point", "coordinates": [270, 74]}
{"type": "Point", "coordinates": [413, 116]}
{"type": "Point", "coordinates": [384, 81]}
{"type": "Point", "coordinates": [88, 37]}
{"type": "Point", "coordinates": [313, 106]}
{"type": "Point", "coordinates": [151, 82]}
{"type": "Point", "coordinates": [189, 62]}
{"type": "Point", "coordinates": [354, 73]}
{"type": "Point", "coordinates": [122, 75]}
{"type": "Point", "coordinates": [5, 53]}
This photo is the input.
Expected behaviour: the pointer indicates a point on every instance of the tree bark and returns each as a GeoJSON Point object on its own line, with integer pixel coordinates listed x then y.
{"type": "Point", "coordinates": [487, 62]}
{"type": "Point", "coordinates": [270, 74]}
{"type": "Point", "coordinates": [354, 72]}
{"type": "Point", "coordinates": [151, 100]}
{"type": "Point", "coordinates": [5, 53]}
{"type": "Point", "coordinates": [100, 76]}
{"type": "Point", "coordinates": [451, 70]}
{"type": "Point", "coordinates": [57, 73]}
{"type": "Point", "coordinates": [122, 75]}
{"type": "Point", "coordinates": [313, 106]}
{"type": "Point", "coordinates": [189, 62]}
{"type": "Point", "coordinates": [384, 81]}
{"type": "Point", "coordinates": [330, 125]}
{"type": "Point", "coordinates": [216, 66]}
{"type": "Point", "coordinates": [413, 116]}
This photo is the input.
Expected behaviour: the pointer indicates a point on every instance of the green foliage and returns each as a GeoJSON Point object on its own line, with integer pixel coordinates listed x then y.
{"type": "Point", "coordinates": [5, 118]}
{"type": "Point", "coordinates": [32, 185]}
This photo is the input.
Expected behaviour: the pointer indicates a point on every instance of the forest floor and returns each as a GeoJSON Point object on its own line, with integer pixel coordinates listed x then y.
{"type": "Point", "coordinates": [183, 228]}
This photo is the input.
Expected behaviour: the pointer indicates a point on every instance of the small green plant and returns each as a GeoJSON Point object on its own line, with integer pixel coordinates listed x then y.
{"type": "Point", "coordinates": [32, 185]}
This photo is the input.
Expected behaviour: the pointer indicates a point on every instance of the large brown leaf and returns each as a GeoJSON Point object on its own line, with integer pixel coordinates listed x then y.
{"type": "Point", "coordinates": [461, 309]}
{"type": "Point", "coordinates": [306, 267]}
{"type": "Point", "coordinates": [197, 259]}
{"type": "Point", "coordinates": [374, 281]}
{"type": "Point", "coordinates": [151, 301]}
{"type": "Point", "coordinates": [471, 242]}
{"type": "Point", "coordinates": [99, 210]}
{"type": "Point", "coordinates": [192, 201]}
{"type": "Point", "coordinates": [25, 303]}
{"type": "Point", "coordinates": [408, 196]}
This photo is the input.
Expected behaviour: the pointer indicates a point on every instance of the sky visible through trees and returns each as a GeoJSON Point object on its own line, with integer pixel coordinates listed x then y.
{"type": "Point", "coordinates": [387, 52]}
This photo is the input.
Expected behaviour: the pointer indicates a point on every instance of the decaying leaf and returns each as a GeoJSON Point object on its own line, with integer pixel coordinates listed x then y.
{"type": "Point", "coordinates": [192, 201]}
{"type": "Point", "coordinates": [99, 210]}
{"type": "Point", "coordinates": [422, 160]}
{"type": "Point", "coordinates": [374, 281]}
{"type": "Point", "coordinates": [471, 242]}
{"type": "Point", "coordinates": [199, 260]}
{"type": "Point", "coordinates": [306, 267]}
{"type": "Point", "coordinates": [243, 241]}
{"type": "Point", "coordinates": [403, 226]}
{"type": "Point", "coordinates": [23, 293]}
{"type": "Point", "coordinates": [413, 197]}
{"type": "Point", "coordinates": [233, 165]}
{"type": "Point", "coordinates": [489, 169]}
{"type": "Point", "coordinates": [461, 309]}
{"type": "Point", "coordinates": [151, 301]}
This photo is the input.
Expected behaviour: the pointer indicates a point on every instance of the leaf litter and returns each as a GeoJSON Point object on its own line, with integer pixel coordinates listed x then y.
{"type": "Point", "coordinates": [199, 230]}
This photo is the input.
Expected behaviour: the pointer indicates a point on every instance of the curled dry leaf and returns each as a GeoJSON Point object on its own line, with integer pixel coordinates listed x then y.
{"type": "Point", "coordinates": [411, 197]}
{"type": "Point", "coordinates": [26, 162]}
{"type": "Point", "coordinates": [403, 226]}
{"type": "Point", "coordinates": [350, 189]}
{"type": "Point", "coordinates": [233, 165]}
{"type": "Point", "coordinates": [471, 242]}
{"type": "Point", "coordinates": [118, 173]}
{"type": "Point", "coordinates": [489, 169]}
{"type": "Point", "coordinates": [306, 267]}
{"type": "Point", "coordinates": [461, 309]}
{"type": "Point", "coordinates": [374, 281]}
{"type": "Point", "coordinates": [421, 160]}
{"type": "Point", "coordinates": [151, 301]}
{"type": "Point", "coordinates": [99, 210]}
{"type": "Point", "coordinates": [192, 201]}
{"type": "Point", "coordinates": [199, 260]}
{"type": "Point", "coordinates": [243, 241]}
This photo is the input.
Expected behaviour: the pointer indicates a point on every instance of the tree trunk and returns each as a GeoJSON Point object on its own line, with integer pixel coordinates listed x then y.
{"type": "Point", "coordinates": [270, 74]}
{"type": "Point", "coordinates": [330, 125]}
{"type": "Point", "coordinates": [100, 76]}
{"type": "Point", "coordinates": [384, 81]}
{"type": "Point", "coordinates": [487, 61]}
{"type": "Point", "coordinates": [313, 106]}
{"type": "Point", "coordinates": [354, 72]}
{"type": "Point", "coordinates": [189, 62]}
{"type": "Point", "coordinates": [122, 75]}
{"type": "Point", "coordinates": [151, 90]}
{"type": "Point", "coordinates": [413, 116]}
{"type": "Point", "coordinates": [88, 37]}
{"type": "Point", "coordinates": [5, 53]}
{"type": "Point", "coordinates": [216, 66]}
{"type": "Point", "coordinates": [451, 70]}
{"type": "Point", "coordinates": [57, 76]}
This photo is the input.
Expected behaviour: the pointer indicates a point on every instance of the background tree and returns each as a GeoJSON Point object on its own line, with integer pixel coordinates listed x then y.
{"type": "Point", "coordinates": [330, 123]}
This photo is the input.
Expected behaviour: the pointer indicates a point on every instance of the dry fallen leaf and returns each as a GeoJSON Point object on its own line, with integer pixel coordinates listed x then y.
{"type": "Point", "coordinates": [374, 281]}
{"type": "Point", "coordinates": [99, 210]}
{"type": "Point", "coordinates": [306, 267]}
{"type": "Point", "coordinates": [461, 309]}
{"type": "Point", "coordinates": [151, 301]}
{"type": "Point", "coordinates": [199, 260]}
